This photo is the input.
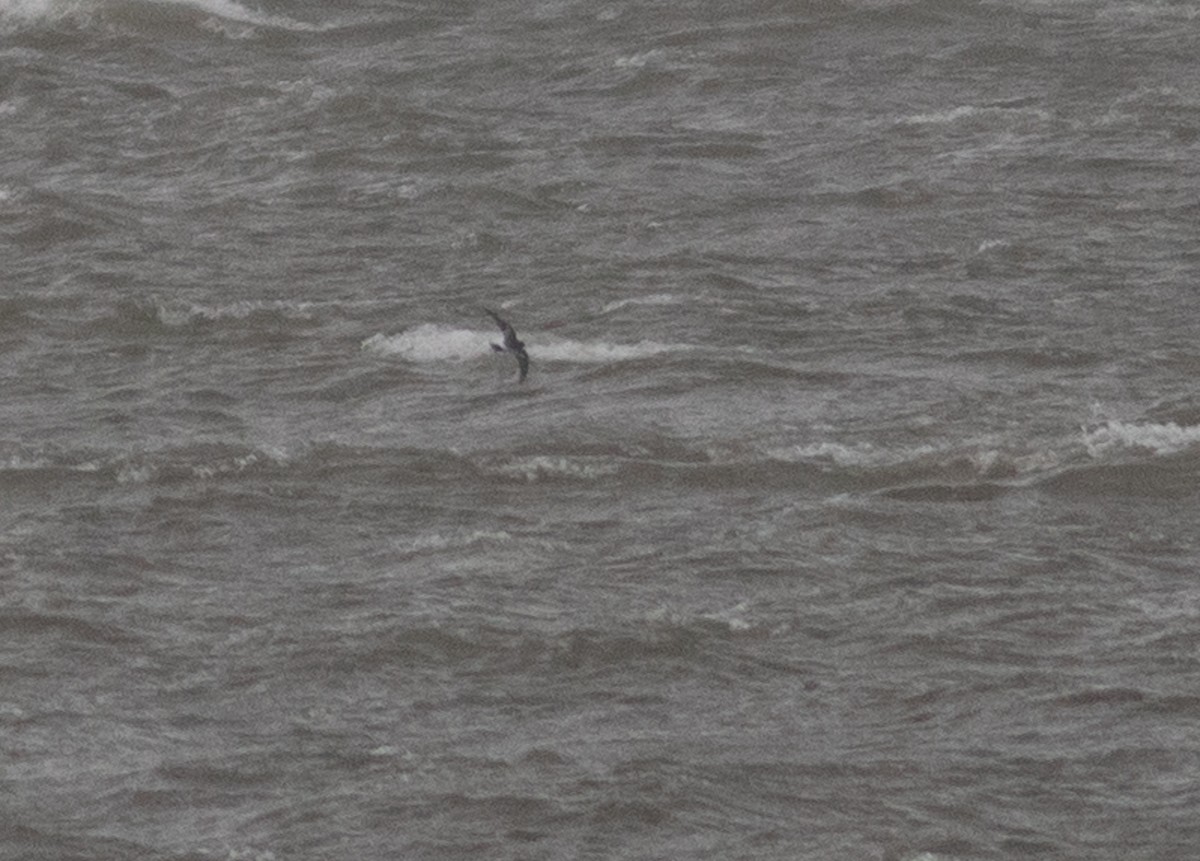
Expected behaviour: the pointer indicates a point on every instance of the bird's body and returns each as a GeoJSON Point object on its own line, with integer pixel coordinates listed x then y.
{"type": "Point", "coordinates": [512, 344]}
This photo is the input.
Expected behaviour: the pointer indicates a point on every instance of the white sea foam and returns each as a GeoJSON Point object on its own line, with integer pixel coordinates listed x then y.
{"type": "Point", "coordinates": [221, 11]}
{"type": "Point", "coordinates": [968, 112]}
{"type": "Point", "coordinates": [1159, 439]}
{"type": "Point", "coordinates": [185, 313]}
{"type": "Point", "coordinates": [637, 61]}
{"type": "Point", "coordinates": [29, 11]}
{"type": "Point", "coordinates": [232, 465]}
{"type": "Point", "coordinates": [601, 351]}
{"type": "Point", "coordinates": [150, 466]}
{"type": "Point", "coordinates": [734, 618]}
{"type": "Point", "coordinates": [228, 10]}
{"type": "Point", "coordinates": [429, 342]}
{"type": "Point", "coordinates": [835, 453]}
{"type": "Point", "coordinates": [984, 458]}
{"type": "Point", "coordinates": [459, 539]}
{"type": "Point", "coordinates": [24, 462]}
{"type": "Point", "coordinates": [549, 466]}
{"type": "Point", "coordinates": [652, 299]}
{"type": "Point", "coordinates": [34, 458]}
{"type": "Point", "coordinates": [950, 116]}
{"type": "Point", "coordinates": [35, 11]}
{"type": "Point", "coordinates": [433, 342]}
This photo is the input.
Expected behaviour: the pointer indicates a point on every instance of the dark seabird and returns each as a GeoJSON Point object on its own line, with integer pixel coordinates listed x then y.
{"type": "Point", "coordinates": [512, 344]}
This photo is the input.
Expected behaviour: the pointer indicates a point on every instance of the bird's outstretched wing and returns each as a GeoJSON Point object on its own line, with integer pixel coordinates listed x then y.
{"type": "Point", "coordinates": [523, 364]}
{"type": "Point", "coordinates": [510, 335]}
{"type": "Point", "coordinates": [512, 344]}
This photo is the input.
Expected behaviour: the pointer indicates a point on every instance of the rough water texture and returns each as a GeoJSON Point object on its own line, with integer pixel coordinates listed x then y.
{"type": "Point", "coordinates": [848, 511]}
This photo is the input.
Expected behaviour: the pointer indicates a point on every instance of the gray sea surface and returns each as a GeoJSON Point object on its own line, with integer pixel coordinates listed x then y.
{"type": "Point", "coordinates": [849, 510]}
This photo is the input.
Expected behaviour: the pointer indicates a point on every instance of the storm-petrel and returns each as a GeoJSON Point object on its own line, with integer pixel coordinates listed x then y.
{"type": "Point", "coordinates": [512, 344]}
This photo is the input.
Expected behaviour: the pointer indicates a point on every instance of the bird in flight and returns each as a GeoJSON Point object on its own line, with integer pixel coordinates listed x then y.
{"type": "Point", "coordinates": [512, 344]}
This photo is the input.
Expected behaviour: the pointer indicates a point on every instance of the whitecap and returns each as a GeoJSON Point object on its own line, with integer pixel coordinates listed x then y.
{"type": "Point", "coordinates": [638, 61]}
{"type": "Point", "coordinates": [971, 112]}
{"type": "Point", "coordinates": [936, 117]}
{"type": "Point", "coordinates": [229, 10]}
{"type": "Point", "coordinates": [734, 618]}
{"type": "Point", "coordinates": [185, 313]}
{"type": "Point", "coordinates": [1160, 439]}
{"type": "Point", "coordinates": [33, 11]}
{"type": "Point", "coordinates": [600, 351]}
{"type": "Point", "coordinates": [549, 466]}
{"type": "Point", "coordinates": [429, 342]}
{"type": "Point", "coordinates": [23, 463]}
{"type": "Point", "coordinates": [835, 453]}
{"type": "Point", "coordinates": [41, 11]}
{"type": "Point", "coordinates": [462, 538]}
{"type": "Point", "coordinates": [652, 299]}
{"type": "Point", "coordinates": [432, 342]}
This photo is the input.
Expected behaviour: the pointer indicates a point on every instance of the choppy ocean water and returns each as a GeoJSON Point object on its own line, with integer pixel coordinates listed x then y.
{"type": "Point", "coordinates": [848, 511]}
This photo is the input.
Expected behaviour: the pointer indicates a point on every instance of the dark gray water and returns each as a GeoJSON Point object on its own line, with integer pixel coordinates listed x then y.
{"type": "Point", "coordinates": [848, 511]}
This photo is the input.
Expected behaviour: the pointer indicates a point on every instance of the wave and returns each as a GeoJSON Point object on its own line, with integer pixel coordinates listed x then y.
{"type": "Point", "coordinates": [900, 193]}
{"type": "Point", "coordinates": [432, 542]}
{"type": "Point", "coordinates": [171, 315]}
{"type": "Point", "coordinates": [951, 461]}
{"type": "Point", "coordinates": [39, 11]}
{"type": "Point", "coordinates": [1171, 477]}
{"type": "Point", "coordinates": [43, 467]}
{"type": "Point", "coordinates": [213, 15]}
{"type": "Point", "coordinates": [1113, 458]}
{"type": "Point", "coordinates": [602, 351]}
{"type": "Point", "coordinates": [195, 462]}
{"type": "Point", "coordinates": [686, 637]}
{"type": "Point", "coordinates": [20, 310]}
{"type": "Point", "coordinates": [1003, 113]}
{"type": "Point", "coordinates": [177, 314]}
{"type": "Point", "coordinates": [30, 622]}
{"type": "Point", "coordinates": [40, 469]}
{"type": "Point", "coordinates": [1037, 358]}
{"type": "Point", "coordinates": [653, 299]}
{"type": "Point", "coordinates": [430, 342]}
{"type": "Point", "coordinates": [541, 467]}
{"type": "Point", "coordinates": [232, 11]}
{"type": "Point", "coordinates": [1114, 437]}
{"type": "Point", "coordinates": [915, 473]}
{"type": "Point", "coordinates": [1132, 459]}
{"type": "Point", "coordinates": [47, 219]}
{"type": "Point", "coordinates": [433, 342]}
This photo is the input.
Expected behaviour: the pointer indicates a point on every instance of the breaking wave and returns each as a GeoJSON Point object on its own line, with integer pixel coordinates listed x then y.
{"type": "Point", "coordinates": [1115, 437]}
{"type": "Point", "coordinates": [212, 13]}
{"type": "Point", "coordinates": [433, 342]}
